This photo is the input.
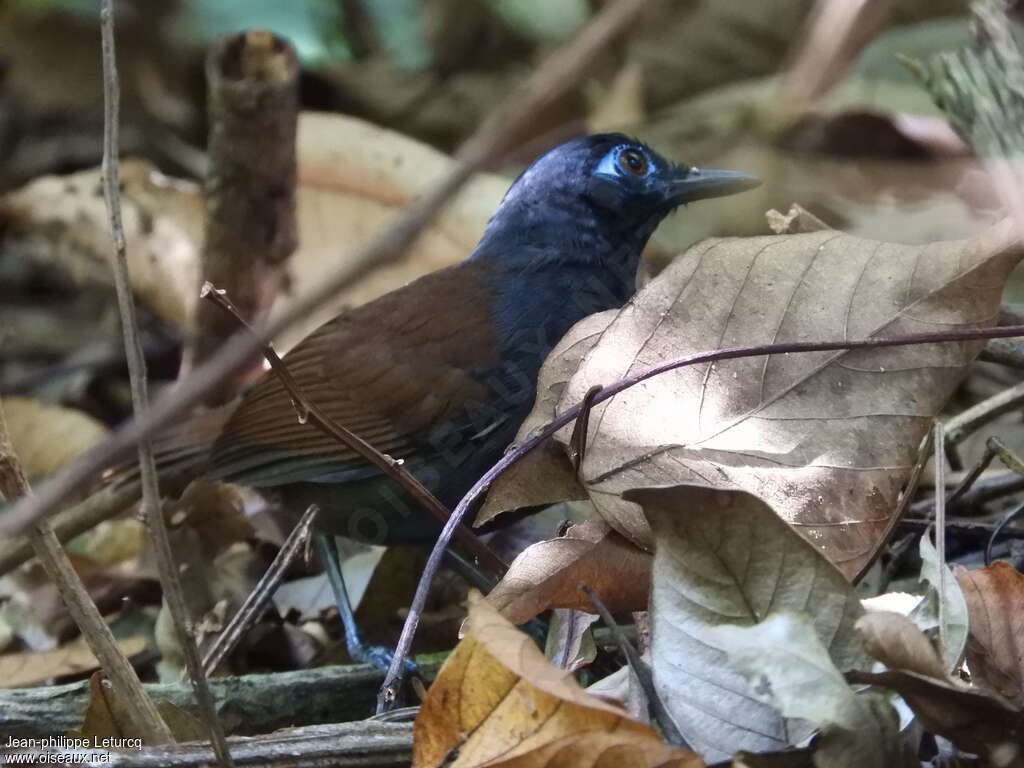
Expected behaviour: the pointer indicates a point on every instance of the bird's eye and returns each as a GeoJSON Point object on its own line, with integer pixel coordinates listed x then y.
{"type": "Point", "coordinates": [634, 161]}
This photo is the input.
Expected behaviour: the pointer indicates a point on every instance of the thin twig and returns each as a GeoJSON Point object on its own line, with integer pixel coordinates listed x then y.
{"type": "Point", "coordinates": [960, 529]}
{"type": "Point", "coordinates": [108, 502]}
{"type": "Point", "coordinates": [643, 672]}
{"type": "Point", "coordinates": [969, 478]}
{"type": "Point", "coordinates": [145, 719]}
{"type": "Point", "coordinates": [972, 503]}
{"type": "Point", "coordinates": [940, 528]}
{"type": "Point", "coordinates": [923, 453]}
{"type": "Point", "coordinates": [1004, 352]}
{"type": "Point", "coordinates": [994, 448]}
{"type": "Point", "coordinates": [151, 506]}
{"type": "Point", "coordinates": [261, 594]}
{"type": "Point", "coordinates": [469, 501]}
{"type": "Point", "coordinates": [1010, 517]}
{"type": "Point", "coordinates": [834, 34]}
{"type": "Point", "coordinates": [1005, 454]}
{"type": "Point", "coordinates": [977, 416]}
{"type": "Point", "coordinates": [311, 412]}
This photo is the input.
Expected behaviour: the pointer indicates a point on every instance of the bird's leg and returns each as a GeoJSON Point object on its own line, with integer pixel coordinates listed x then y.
{"type": "Point", "coordinates": [376, 655]}
{"type": "Point", "coordinates": [468, 571]}
{"type": "Point", "coordinates": [535, 627]}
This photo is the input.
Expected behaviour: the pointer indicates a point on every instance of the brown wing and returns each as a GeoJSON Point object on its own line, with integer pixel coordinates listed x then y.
{"type": "Point", "coordinates": [389, 371]}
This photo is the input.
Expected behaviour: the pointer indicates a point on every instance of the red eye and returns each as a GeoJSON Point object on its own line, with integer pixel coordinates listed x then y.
{"type": "Point", "coordinates": [634, 161]}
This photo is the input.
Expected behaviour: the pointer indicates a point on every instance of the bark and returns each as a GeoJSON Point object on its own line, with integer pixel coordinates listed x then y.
{"type": "Point", "coordinates": [366, 744]}
{"type": "Point", "coordinates": [250, 187]}
{"type": "Point", "coordinates": [246, 704]}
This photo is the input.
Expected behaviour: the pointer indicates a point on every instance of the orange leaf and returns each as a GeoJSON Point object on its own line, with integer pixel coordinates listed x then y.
{"type": "Point", "coordinates": [498, 702]}
{"type": "Point", "coordinates": [995, 649]}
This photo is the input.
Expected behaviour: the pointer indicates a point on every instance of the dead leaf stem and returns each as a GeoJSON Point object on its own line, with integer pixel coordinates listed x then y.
{"type": "Point", "coordinates": [940, 528]}
{"type": "Point", "coordinates": [641, 670]}
{"type": "Point", "coordinates": [151, 506]}
{"type": "Point", "coordinates": [578, 442]}
{"type": "Point", "coordinates": [1007, 519]}
{"type": "Point", "coordinates": [261, 594]}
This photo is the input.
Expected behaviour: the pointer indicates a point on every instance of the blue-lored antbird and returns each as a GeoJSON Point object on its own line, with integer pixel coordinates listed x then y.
{"type": "Point", "coordinates": [441, 372]}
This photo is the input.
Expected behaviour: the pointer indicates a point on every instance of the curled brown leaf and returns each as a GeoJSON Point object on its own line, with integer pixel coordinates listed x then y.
{"type": "Point", "coordinates": [896, 641]}
{"type": "Point", "coordinates": [995, 648]}
{"type": "Point", "coordinates": [972, 720]}
{"type": "Point", "coordinates": [548, 574]}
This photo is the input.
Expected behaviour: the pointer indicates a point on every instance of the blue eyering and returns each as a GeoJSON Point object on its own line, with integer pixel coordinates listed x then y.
{"type": "Point", "coordinates": [611, 166]}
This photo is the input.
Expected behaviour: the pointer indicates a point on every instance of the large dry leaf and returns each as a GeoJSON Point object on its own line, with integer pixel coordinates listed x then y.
{"type": "Point", "coordinates": [724, 558]}
{"type": "Point", "coordinates": [21, 669]}
{"type": "Point", "coordinates": [548, 574]}
{"type": "Point", "coordinates": [354, 179]}
{"type": "Point", "coordinates": [163, 222]}
{"type": "Point", "coordinates": [498, 702]}
{"type": "Point", "coordinates": [827, 439]}
{"type": "Point", "coordinates": [46, 437]}
{"type": "Point", "coordinates": [995, 651]}
{"type": "Point", "coordinates": [791, 670]}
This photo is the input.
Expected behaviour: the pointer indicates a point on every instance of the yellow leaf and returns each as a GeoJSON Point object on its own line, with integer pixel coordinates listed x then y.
{"type": "Point", "coordinates": [498, 702]}
{"type": "Point", "coordinates": [46, 437]}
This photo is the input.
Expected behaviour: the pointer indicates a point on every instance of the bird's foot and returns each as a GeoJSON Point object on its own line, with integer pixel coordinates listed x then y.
{"type": "Point", "coordinates": [381, 658]}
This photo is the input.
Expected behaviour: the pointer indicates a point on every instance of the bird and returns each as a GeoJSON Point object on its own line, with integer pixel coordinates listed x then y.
{"type": "Point", "coordinates": [440, 373]}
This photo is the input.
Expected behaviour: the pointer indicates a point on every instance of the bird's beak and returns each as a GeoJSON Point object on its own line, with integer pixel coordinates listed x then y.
{"type": "Point", "coordinates": [700, 183]}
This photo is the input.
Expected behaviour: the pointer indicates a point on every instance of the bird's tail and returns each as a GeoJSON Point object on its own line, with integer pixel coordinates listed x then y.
{"type": "Point", "coordinates": [182, 449]}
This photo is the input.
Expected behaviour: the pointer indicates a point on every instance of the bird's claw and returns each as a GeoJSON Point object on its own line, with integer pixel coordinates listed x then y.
{"type": "Point", "coordinates": [381, 658]}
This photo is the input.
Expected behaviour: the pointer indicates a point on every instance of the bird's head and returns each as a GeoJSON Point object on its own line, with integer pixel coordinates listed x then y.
{"type": "Point", "coordinates": [631, 179]}
{"type": "Point", "coordinates": [598, 199]}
